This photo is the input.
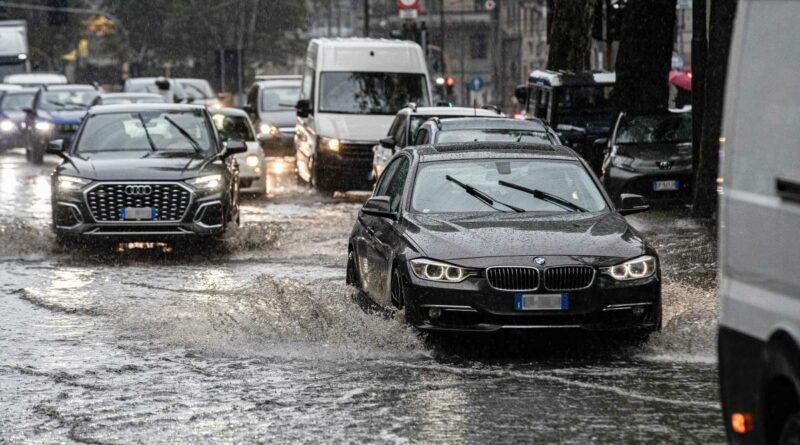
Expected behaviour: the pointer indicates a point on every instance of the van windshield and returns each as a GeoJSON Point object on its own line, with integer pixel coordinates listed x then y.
{"type": "Point", "coordinates": [370, 92]}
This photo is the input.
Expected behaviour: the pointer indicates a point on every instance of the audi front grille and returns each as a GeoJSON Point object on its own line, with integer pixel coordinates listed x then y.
{"type": "Point", "coordinates": [513, 278]}
{"type": "Point", "coordinates": [170, 200]}
{"type": "Point", "coordinates": [561, 278]}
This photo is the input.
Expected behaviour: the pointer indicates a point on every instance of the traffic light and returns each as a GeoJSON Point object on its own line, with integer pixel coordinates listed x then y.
{"type": "Point", "coordinates": [449, 83]}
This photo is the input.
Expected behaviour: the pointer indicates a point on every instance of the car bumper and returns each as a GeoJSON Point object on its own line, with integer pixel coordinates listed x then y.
{"type": "Point", "coordinates": [619, 181]}
{"type": "Point", "coordinates": [280, 145]}
{"type": "Point", "coordinates": [350, 167]}
{"type": "Point", "coordinates": [473, 305]}
{"type": "Point", "coordinates": [204, 215]}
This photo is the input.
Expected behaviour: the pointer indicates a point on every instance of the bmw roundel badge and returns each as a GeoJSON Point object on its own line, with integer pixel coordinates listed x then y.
{"type": "Point", "coordinates": [539, 261]}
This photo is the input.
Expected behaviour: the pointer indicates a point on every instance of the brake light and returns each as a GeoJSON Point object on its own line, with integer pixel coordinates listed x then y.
{"type": "Point", "coordinates": [741, 423]}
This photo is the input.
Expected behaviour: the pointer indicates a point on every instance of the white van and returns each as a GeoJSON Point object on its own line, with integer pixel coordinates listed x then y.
{"type": "Point", "coordinates": [759, 334]}
{"type": "Point", "coordinates": [350, 92]}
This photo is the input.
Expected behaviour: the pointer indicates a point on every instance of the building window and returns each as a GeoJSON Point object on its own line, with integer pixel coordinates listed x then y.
{"type": "Point", "coordinates": [477, 46]}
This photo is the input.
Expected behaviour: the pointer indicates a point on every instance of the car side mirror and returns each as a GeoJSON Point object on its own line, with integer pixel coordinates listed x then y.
{"type": "Point", "coordinates": [601, 142]}
{"type": "Point", "coordinates": [247, 108]}
{"type": "Point", "coordinates": [388, 143]}
{"type": "Point", "coordinates": [379, 206]}
{"type": "Point", "coordinates": [28, 110]}
{"type": "Point", "coordinates": [55, 147]}
{"type": "Point", "coordinates": [234, 146]}
{"type": "Point", "coordinates": [303, 108]}
{"type": "Point", "coordinates": [630, 204]}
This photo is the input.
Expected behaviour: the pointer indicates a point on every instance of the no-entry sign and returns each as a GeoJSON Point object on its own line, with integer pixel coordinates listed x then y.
{"type": "Point", "coordinates": [408, 9]}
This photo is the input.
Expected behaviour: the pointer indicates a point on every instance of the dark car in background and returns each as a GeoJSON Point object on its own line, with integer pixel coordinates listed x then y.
{"type": "Point", "coordinates": [170, 89]}
{"type": "Point", "coordinates": [405, 125]}
{"type": "Point", "coordinates": [503, 236]}
{"type": "Point", "coordinates": [56, 114]}
{"type": "Point", "coordinates": [476, 129]}
{"type": "Point", "coordinates": [270, 104]}
{"type": "Point", "coordinates": [145, 171]}
{"type": "Point", "coordinates": [199, 91]}
{"type": "Point", "coordinates": [13, 104]}
{"type": "Point", "coordinates": [650, 154]}
{"type": "Point", "coordinates": [128, 98]}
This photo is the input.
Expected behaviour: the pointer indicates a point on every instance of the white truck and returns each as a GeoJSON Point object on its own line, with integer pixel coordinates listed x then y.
{"type": "Point", "coordinates": [13, 47]}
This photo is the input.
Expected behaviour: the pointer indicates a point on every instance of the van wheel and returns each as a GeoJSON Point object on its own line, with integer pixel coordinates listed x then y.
{"type": "Point", "coordinates": [36, 154]}
{"type": "Point", "coordinates": [790, 434]}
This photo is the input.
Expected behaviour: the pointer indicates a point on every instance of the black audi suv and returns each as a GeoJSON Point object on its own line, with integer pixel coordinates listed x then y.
{"type": "Point", "coordinates": [145, 170]}
{"type": "Point", "coordinates": [494, 236]}
{"type": "Point", "coordinates": [650, 154]}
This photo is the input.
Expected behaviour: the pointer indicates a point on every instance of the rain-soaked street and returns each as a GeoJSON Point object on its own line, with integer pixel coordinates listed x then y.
{"type": "Point", "coordinates": [262, 341]}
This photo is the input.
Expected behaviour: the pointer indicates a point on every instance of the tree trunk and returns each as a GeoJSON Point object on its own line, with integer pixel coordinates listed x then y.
{"type": "Point", "coordinates": [720, 28]}
{"type": "Point", "coordinates": [570, 39]}
{"type": "Point", "coordinates": [645, 54]}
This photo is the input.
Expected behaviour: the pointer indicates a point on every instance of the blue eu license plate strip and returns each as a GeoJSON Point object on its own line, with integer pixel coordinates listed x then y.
{"type": "Point", "coordinates": [541, 302]}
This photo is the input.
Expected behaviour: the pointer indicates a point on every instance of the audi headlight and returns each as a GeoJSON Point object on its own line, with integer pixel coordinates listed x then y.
{"type": "Point", "coordinates": [210, 182]}
{"type": "Point", "coordinates": [331, 144]}
{"type": "Point", "coordinates": [43, 126]}
{"type": "Point", "coordinates": [268, 129]}
{"type": "Point", "coordinates": [251, 160]}
{"type": "Point", "coordinates": [68, 183]}
{"type": "Point", "coordinates": [7, 126]}
{"type": "Point", "coordinates": [634, 269]}
{"type": "Point", "coordinates": [437, 271]}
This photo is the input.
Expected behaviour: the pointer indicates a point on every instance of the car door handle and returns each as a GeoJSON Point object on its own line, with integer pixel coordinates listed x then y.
{"type": "Point", "coordinates": [788, 190]}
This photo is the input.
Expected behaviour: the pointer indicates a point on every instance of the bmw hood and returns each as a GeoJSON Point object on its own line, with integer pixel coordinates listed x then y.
{"type": "Point", "coordinates": [354, 127]}
{"type": "Point", "coordinates": [68, 117]}
{"type": "Point", "coordinates": [454, 237]}
{"type": "Point", "coordinates": [156, 167]}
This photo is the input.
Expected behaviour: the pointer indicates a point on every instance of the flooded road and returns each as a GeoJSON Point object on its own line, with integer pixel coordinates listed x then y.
{"type": "Point", "coordinates": [261, 341]}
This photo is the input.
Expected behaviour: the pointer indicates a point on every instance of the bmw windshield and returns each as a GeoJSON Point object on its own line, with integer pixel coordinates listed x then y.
{"type": "Point", "coordinates": [152, 131]}
{"type": "Point", "coordinates": [370, 93]}
{"type": "Point", "coordinates": [440, 186]}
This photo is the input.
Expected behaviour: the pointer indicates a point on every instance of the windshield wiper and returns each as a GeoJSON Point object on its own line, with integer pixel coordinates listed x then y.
{"type": "Point", "coordinates": [544, 196]}
{"type": "Point", "coordinates": [483, 197]}
{"type": "Point", "coordinates": [147, 133]}
{"type": "Point", "coordinates": [185, 134]}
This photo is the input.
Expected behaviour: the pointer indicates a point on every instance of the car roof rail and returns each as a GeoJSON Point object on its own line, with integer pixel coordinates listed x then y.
{"type": "Point", "coordinates": [494, 108]}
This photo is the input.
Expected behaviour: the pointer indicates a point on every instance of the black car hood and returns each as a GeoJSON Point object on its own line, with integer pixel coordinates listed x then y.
{"type": "Point", "coordinates": [133, 166]}
{"type": "Point", "coordinates": [452, 237]}
{"type": "Point", "coordinates": [279, 118]}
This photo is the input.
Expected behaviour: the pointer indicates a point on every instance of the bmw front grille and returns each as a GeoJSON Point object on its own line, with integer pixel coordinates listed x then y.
{"type": "Point", "coordinates": [556, 278]}
{"type": "Point", "coordinates": [170, 200]}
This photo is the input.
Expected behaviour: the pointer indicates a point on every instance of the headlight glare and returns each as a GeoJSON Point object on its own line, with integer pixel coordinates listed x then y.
{"type": "Point", "coordinates": [67, 183]}
{"type": "Point", "coordinates": [437, 271]}
{"type": "Point", "coordinates": [209, 182]}
{"type": "Point", "coordinates": [7, 125]}
{"type": "Point", "coordinates": [43, 126]}
{"type": "Point", "coordinates": [634, 269]}
{"type": "Point", "coordinates": [252, 160]}
{"type": "Point", "coordinates": [331, 144]}
{"type": "Point", "coordinates": [268, 129]}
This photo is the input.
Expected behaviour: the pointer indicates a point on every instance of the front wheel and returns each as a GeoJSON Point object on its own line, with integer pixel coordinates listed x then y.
{"type": "Point", "coordinates": [400, 299]}
{"type": "Point", "coordinates": [351, 278]}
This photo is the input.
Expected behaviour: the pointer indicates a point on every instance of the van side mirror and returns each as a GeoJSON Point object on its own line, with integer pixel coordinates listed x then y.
{"type": "Point", "coordinates": [379, 206]}
{"type": "Point", "coordinates": [234, 146]}
{"type": "Point", "coordinates": [248, 109]}
{"type": "Point", "coordinates": [55, 147]}
{"type": "Point", "coordinates": [388, 143]}
{"type": "Point", "coordinates": [521, 93]}
{"type": "Point", "coordinates": [303, 108]}
{"type": "Point", "coordinates": [630, 204]}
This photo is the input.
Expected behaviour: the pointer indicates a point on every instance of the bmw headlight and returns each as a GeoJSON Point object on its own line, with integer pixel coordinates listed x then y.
{"type": "Point", "coordinates": [634, 269]}
{"type": "Point", "coordinates": [43, 126]}
{"type": "Point", "coordinates": [7, 126]}
{"type": "Point", "coordinates": [68, 183]}
{"type": "Point", "coordinates": [331, 144]}
{"type": "Point", "coordinates": [267, 129]}
{"type": "Point", "coordinates": [251, 160]}
{"type": "Point", "coordinates": [437, 271]}
{"type": "Point", "coordinates": [209, 182]}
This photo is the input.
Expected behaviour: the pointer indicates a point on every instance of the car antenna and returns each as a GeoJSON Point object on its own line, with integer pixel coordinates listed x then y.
{"type": "Point", "coordinates": [475, 107]}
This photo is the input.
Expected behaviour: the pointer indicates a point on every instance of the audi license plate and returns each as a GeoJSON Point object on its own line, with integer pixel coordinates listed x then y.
{"type": "Point", "coordinates": [138, 213]}
{"type": "Point", "coordinates": [666, 186]}
{"type": "Point", "coordinates": [541, 302]}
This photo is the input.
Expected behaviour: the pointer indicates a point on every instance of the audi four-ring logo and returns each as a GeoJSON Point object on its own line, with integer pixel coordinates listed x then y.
{"type": "Point", "coordinates": [138, 190]}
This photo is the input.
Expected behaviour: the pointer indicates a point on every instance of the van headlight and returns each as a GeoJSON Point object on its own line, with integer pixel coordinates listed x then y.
{"type": "Point", "coordinates": [437, 271]}
{"type": "Point", "coordinates": [209, 182]}
{"type": "Point", "coordinates": [634, 269]}
{"type": "Point", "coordinates": [251, 161]}
{"type": "Point", "coordinates": [268, 129]}
{"type": "Point", "coordinates": [331, 144]}
{"type": "Point", "coordinates": [69, 183]}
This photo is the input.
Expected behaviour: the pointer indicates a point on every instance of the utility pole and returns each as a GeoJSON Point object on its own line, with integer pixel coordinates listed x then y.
{"type": "Point", "coordinates": [366, 18]}
{"type": "Point", "coordinates": [699, 54]}
{"type": "Point", "coordinates": [441, 44]}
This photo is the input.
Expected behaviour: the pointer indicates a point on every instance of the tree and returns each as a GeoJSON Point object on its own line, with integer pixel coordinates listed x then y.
{"type": "Point", "coordinates": [570, 35]}
{"type": "Point", "coordinates": [645, 54]}
{"type": "Point", "coordinates": [720, 29]}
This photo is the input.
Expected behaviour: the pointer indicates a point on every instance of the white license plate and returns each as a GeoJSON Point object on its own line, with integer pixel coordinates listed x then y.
{"type": "Point", "coordinates": [138, 213]}
{"type": "Point", "coordinates": [541, 302]}
{"type": "Point", "coordinates": [666, 186]}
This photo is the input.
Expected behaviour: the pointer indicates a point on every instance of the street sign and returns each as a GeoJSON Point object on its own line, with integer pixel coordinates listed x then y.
{"type": "Point", "coordinates": [408, 9]}
{"type": "Point", "coordinates": [490, 5]}
{"type": "Point", "coordinates": [475, 84]}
